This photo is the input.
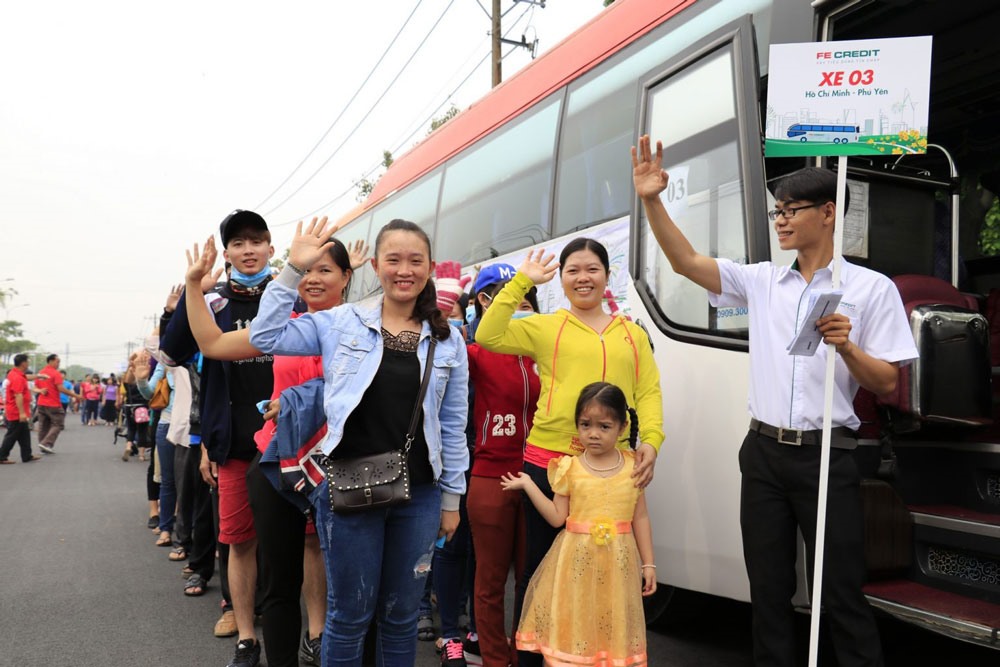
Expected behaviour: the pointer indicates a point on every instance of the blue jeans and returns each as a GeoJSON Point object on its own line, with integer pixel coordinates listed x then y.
{"type": "Point", "coordinates": [376, 566]}
{"type": "Point", "coordinates": [453, 567]}
{"type": "Point", "coordinates": [168, 490]}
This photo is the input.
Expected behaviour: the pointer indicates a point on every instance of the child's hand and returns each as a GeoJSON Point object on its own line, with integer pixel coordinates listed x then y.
{"type": "Point", "coordinates": [648, 581]}
{"type": "Point", "coordinates": [512, 482]}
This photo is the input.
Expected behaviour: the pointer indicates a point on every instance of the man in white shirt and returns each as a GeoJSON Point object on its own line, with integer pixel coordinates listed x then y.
{"type": "Point", "coordinates": [780, 456]}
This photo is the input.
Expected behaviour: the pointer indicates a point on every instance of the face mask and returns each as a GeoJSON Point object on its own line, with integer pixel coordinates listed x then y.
{"type": "Point", "coordinates": [521, 314]}
{"type": "Point", "coordinates": [455, 322]}
{"type": "Point", "coordinates": [251, 280]}
{"type": "Point", "coordinates": [470, 314]}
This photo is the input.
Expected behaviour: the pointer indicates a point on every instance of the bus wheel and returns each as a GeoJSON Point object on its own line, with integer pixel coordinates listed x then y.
{"type": "Point", "coordinates": [802, 139]}
{"type": "Point", "coordinates": [669, 605]}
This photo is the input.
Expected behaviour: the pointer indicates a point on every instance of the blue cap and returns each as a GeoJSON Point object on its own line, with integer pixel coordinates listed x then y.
{"type": "Point", "coordinates": [493, 274]}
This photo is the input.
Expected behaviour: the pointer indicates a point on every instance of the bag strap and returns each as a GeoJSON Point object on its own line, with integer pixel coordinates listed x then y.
{"type": "Point", "coordinates": [411, 433]}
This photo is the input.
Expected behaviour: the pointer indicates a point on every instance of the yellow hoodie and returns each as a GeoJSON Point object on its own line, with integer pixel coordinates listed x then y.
{"type": "Point", "coordinates": [570, 355]}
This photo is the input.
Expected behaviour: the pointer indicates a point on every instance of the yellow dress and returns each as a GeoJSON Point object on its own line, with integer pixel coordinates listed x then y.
{"type": "Point", "coordinates": [583, 606]}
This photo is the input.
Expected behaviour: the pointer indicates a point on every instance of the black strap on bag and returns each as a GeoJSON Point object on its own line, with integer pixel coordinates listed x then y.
{"type": "Point", "coordinates": [379, 480]}
{"type": "Point", "coordinates": [411, 433]}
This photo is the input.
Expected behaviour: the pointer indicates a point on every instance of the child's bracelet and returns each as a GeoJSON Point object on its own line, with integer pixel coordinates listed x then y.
{"type": "Point", "coordinates": [650, 566]}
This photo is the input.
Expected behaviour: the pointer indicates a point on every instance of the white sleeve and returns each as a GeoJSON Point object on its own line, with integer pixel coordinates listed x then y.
{"type": "Point", "coordinates": [736, 280]}
{"type": "Point", "coordinates": [886, 332]}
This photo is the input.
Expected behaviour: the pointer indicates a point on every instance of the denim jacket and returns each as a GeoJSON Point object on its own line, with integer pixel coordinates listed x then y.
{"type": "Point", "coordinates": [349, 339]}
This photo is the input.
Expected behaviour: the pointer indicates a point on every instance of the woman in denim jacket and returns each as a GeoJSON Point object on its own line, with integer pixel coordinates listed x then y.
{"type": "Point", "coordinates": [374, 354]}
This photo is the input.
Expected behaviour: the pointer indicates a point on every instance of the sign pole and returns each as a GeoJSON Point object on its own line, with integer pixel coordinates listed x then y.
{"type": "Point", "coordinates": [824, 464]}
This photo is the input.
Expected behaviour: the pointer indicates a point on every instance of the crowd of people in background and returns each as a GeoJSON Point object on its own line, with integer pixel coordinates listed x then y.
{"type": "Point", "coordinates": [479, 434]}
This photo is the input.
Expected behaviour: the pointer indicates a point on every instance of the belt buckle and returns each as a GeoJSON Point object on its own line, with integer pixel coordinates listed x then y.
{"type": "Point", "coordinates": [797, 442]}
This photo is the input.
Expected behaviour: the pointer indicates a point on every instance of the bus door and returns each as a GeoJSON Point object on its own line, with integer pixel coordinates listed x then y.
{"type": "Point", "coordinates": [702, 105]}
{"type": "Point", "coordinates": [933, 505]}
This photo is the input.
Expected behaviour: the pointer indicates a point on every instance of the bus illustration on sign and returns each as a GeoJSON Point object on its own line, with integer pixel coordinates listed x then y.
{"type": "Point", "coordinates": [837, 134]}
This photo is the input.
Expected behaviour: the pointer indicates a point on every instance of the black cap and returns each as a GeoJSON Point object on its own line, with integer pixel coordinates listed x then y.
{"type": "Point", "coordinates": [237, 220]}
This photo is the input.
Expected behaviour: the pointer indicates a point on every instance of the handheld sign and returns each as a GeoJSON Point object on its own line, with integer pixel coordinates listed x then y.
{"type": "Point", "coordinates": [859, 97]}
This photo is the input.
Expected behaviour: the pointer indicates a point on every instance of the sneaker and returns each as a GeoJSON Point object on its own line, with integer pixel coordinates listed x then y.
{"type": "Point", "coordinates": [247, 654]}
{"type": "Point", "coordinates": [452, 654]}
{"type": "Point", "coordinates": [470, 646]}
{"type": "Point", "coordinates": [46, 448]}
{"type": "Point", "coordinates": [226, 625]}
{"type": "Point", "coordinates": [310, 650]}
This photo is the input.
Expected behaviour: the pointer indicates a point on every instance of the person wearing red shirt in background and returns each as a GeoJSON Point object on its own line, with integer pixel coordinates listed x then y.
{"type": "Point", "coordinates": [18, 412]}
{"type": "Point", "coordinates": [51, 415]}
{"type": "Point", "coordinates": [506, 388]}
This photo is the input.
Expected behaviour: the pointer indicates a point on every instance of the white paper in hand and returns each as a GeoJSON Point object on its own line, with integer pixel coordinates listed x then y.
{"type": "Point", "coordinates": [808, 339]}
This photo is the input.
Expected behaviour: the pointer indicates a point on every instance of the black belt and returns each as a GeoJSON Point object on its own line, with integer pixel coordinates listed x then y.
{"type": "Point", "coordinates": [840, 436]}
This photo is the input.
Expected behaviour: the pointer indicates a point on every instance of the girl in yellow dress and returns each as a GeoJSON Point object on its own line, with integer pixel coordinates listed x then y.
{"type": "Point", "coordinates": [583, 605]}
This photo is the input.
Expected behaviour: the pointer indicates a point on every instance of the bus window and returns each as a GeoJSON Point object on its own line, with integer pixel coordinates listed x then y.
{"type": "Point", "coordinates": [599, 124]}
{"type": "Point", "coordinates": [363, 281]}
{"type": "Point", "coordinates": [416, 204]}
{"type": "Point", "coordinates": [693, 112]}
{"type": "Point", "coordinates": [495, 196]}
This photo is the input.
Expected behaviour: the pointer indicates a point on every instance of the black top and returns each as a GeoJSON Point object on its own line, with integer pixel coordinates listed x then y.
{"type": "Point", "coordinates": [132, 395]}
{"type": "Point", "coordinates": [250, 381]}
{"type": "Point", "coordinates": [380, 421]}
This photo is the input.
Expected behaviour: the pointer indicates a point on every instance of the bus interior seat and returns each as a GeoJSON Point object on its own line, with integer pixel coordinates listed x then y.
{"type": "Point", "coordinates": [951, 381]}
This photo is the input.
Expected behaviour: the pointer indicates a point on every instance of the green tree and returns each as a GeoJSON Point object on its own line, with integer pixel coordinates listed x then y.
{"type": "Point", "coordinates": [12, 341]}
{"type": "Point", "coordinates": [989, 234]}
{"type": "Point", "coordinates": [366, 185]}
{"type": "Point", "coordinates": [443, 118]}
{"type": "Point", "coordinates": [77, 372]}
{"type": "Point", "coordinates": [279, 262]}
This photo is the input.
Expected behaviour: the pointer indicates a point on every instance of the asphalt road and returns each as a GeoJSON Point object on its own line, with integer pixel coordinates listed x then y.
{"type": "Point", "coordinates": [81, 582]}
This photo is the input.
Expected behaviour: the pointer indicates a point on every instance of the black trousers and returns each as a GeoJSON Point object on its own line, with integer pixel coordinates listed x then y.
{"type": "Point", "coordinates": [19, 432]}
{"type": "Point", "coordinates": [539, 536]}
{"type": "Point", "coordinates": [778, 495]}
{"type": "Point", "coordinates": [194, 526]}
{"type": "Point", "coordinates": [281, 531]}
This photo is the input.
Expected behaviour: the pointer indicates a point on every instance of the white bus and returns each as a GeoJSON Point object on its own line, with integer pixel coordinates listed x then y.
{"type": "Point", "coordinates": [837, 134]}
{"type": "Point", "coordinates": [544, 158]}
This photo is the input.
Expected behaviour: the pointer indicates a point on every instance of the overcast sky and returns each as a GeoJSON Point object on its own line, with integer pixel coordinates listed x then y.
{"type": "Point", "coordinates": [128, 130]}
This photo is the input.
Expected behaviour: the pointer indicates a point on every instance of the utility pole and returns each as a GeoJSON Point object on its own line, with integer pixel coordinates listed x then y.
{"type": "Point", "coordinates": [496, 35]}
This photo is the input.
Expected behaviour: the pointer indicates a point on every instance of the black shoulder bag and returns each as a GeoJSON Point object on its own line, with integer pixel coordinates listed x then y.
{"type": "Point", "coordinates": [379, 480]}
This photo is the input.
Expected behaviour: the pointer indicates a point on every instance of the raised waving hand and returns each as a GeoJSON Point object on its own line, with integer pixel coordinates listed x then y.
{"type": "Point", "coordinates": [648, 174]}
{"type": "Point", "coordinates": [539, 267]}
{"type": "Point", "coordinates": [200, 265]}
{"type": "Point", "coordinates": [358, 252]}
{"type": "Point", "coordinates": [309, 245]}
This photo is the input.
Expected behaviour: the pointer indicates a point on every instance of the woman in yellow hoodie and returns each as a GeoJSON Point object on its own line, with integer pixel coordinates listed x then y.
{"type": "Point", "coordinates": [572, 348]}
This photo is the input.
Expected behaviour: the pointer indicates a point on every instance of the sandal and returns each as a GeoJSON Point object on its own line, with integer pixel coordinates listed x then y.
{"type": "Point", "coordinates": [178, 553]}
{"type": "Point", "coordinates": [425, 629]}
{"type": "Point", "coordinates": [164, 540]}
{"type": "Point", "coordinates": [195, 586]}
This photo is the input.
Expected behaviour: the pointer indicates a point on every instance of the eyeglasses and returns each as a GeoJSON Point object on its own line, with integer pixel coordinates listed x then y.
{"type": "Point", "coordinates": [789, 211]}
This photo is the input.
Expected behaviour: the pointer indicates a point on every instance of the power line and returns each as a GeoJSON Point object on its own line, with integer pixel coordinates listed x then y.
{"type": "Point", "coordinates": [345, 108]}
{"type": "Point", "coordinates": [372, 170]}
{"type": "Point", "coordinates": [417, 129]}
{"type": "Point", "coordinates": [365, 115]}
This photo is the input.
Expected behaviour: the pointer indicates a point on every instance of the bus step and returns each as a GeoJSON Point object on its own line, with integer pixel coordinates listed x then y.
{"type": "Point", "coordinates": [957, 549]}
{"type": "Point", "coordinates": [948, 613]}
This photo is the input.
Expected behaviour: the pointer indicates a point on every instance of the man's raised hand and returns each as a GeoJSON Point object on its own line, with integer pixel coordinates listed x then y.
{"type": "Point", "coordinates": [647, 169]}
